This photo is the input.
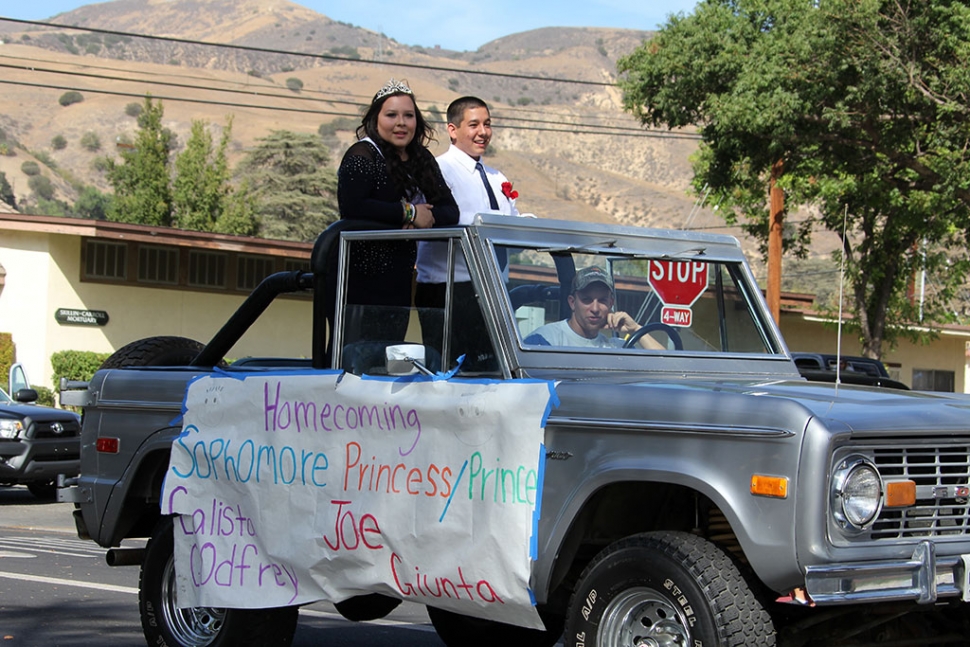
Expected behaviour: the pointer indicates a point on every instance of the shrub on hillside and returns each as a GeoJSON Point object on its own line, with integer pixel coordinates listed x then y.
{"type": "Point", "coordinates": [30, 168]}
{"type": "Point", "coordinates": [69, 97]}
{"type": "Point", "coordinates": [41, 185]}
{"type": "Point", "coordinates": [58, 142]}
{"type": "Point", "coordinates": [133, 109]}
{"type": "Point", "coordinates": [294, 84]}
{"type": "Point", "coordinates": [90, 141]}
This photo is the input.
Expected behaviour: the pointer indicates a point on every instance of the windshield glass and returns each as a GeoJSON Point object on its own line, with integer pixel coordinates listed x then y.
{"type": "Point", "coordinates": [585, 299]}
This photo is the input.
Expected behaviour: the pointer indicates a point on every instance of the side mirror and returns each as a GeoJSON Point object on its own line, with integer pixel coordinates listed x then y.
{"type": "Point", "coordinates": [25, 396]}
{"type": "Point", "coordinates": [405, 359]}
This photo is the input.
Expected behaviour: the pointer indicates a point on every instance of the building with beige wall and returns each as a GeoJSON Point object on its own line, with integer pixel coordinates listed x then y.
{"type": "Point", "coordinates": [147, 281]}
{"type": "Point", "coordinates": [72, 284]}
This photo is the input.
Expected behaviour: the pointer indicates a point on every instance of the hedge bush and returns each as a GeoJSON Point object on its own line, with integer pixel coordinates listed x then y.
{"type": "Point", "coordinates": [7, 356]}
{"type": "Point", "coordinates": [75, 365]}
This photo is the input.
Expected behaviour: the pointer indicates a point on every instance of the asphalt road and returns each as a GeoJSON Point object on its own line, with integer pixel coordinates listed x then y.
{"type": "Point", "coordinates": [57, 591]}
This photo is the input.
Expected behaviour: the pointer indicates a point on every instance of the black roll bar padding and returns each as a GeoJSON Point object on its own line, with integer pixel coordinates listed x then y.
{"type": "Point", "coordinates": [323, 265]}
{"type": "Point", "coordinates": [248, 312]}
{"type": "Point", "coordinates": [565, 270]}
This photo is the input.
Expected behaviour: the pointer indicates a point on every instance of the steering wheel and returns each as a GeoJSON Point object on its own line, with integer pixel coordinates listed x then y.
{"type": "Point", "coordinates": [650, 327]}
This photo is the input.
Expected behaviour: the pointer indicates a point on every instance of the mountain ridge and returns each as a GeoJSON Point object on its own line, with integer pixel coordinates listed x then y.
{"type": "Point", "coordinates": [570, 149]}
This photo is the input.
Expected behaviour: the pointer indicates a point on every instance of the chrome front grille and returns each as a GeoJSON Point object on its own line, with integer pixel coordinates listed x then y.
{"type": "Point", "coordinates": [942, 476]}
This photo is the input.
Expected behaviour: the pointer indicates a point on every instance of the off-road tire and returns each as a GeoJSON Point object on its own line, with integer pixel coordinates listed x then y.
{"type": "Point", "coordinates": [155, 351]}
{"type": "Point", "coordinates": [456, 630]}
{"type": "Point", "coordinates": [46, 491]}
{"type": "Point", "coordinates": [672, 587]}
{"type": "Point", "coordinates": [165, 625]}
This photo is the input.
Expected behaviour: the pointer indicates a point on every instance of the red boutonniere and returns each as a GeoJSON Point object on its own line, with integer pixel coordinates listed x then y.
{"type": "Point", "coordinates": [508, 192]}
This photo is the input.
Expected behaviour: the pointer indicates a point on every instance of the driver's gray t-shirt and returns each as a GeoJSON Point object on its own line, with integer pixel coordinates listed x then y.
{"type": "Point", "coordinates": [560, 334]}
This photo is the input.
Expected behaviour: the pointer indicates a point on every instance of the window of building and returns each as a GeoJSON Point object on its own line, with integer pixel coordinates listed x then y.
{"type": "Point", "coordinates": [158, 264]}
{"type": "Point", "coordinates": [295, 265]}
{"type": "Point", "coordinates": [105, 260]}
{"type": "Point", "coordinates": [926, 379]}
{"type": "Point", "coordinates": [207, 269]}
{"type": "Point", "coordinates": [250, 270]}
{"type": "Point", "coordinates": [175, 267]}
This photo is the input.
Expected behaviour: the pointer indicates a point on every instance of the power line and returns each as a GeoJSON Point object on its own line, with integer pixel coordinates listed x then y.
{"type": "Point", "coordinates": [295, 97]}
{"type": "Point", "coordinates": [364, 99]}
{"type": "Point", "coordinates": [328, 57]}
{"type": "Point", "coordinates": [572, 131]}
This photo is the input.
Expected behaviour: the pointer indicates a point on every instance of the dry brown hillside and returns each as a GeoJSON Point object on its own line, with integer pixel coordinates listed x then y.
{"type": "Point", "coordinates": [570, 149]}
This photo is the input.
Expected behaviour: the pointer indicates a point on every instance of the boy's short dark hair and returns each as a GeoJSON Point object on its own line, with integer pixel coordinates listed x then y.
{"type": "Point", "coordinates": [457, 108]}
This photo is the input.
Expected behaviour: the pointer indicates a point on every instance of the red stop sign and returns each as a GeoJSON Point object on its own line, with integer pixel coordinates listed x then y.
{"type": "Point", "coordinates": [678, 283]}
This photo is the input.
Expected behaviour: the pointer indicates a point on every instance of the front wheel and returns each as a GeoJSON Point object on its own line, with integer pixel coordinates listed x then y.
{"type": "Point", "coordinates": [166, 625]}
{"type": "Point", "coordinates": [669, 589]}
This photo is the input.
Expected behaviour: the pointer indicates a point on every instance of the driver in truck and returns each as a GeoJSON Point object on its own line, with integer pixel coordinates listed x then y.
{"type": "Point", "coordinates": [591, 301]}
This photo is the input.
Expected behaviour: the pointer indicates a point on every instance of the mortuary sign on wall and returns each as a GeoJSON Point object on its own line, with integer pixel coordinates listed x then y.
{"type": "Point", "coordinates": [293, 488]}
{"type": "Point", "coordinates": [81, 317]}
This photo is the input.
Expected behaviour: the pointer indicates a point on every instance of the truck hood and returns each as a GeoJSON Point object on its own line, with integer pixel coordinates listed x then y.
{"type": "Point", "coordinates": [751, 402]}
{"type": "Point", "coordinates": [36, 412]}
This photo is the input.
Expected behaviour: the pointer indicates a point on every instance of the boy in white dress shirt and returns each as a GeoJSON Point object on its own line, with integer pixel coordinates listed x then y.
{"type": "Point", "coordinates": [477, 189]}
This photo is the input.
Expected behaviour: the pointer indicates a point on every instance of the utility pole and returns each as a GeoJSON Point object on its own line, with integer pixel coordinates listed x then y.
{"type": "Point", "coordinates": [776, 220]}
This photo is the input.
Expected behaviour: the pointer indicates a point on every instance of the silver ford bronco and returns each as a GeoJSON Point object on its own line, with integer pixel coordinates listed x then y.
{"type": "Point", "coordinates": [697, 490]}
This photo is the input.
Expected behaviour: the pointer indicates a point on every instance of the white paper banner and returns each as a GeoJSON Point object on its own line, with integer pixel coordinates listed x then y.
{"type": "Point", "coordinates": [301, 487]}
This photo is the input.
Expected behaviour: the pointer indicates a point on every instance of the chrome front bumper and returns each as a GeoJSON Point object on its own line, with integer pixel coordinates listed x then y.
{"type": "Point", "coordinates": [923, 578]}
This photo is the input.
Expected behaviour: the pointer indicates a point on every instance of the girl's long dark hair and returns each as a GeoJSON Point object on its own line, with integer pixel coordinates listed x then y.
{"type": "Point", "coordinates": [420, 171]}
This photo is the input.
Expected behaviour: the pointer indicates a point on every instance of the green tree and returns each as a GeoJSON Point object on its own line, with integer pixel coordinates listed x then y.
{"type": "Point", "coordinates": [58, 142]}
{"type": "Point", "coordinates": [140, 181]}
{"type": "Point", "coordinates": [6, 191]}
{"type": "Point", "coordinates": [91, 203]}
{"type": "Point", "coordinates": [202, 196]}
{"type": "Point", "coordinates": [864, 105]}
{"type": "Point", "coordinates": [294, 183]}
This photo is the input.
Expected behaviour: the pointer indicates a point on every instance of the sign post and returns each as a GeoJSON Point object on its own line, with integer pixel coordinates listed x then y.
{"type": "Point", "coordinates": [678, 284]}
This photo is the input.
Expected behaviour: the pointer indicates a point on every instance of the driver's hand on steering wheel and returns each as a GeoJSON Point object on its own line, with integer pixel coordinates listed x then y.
{"type": "Point", "coordinates": [626, 325]}
{"type": "Point", "coordinates": [621, 323]}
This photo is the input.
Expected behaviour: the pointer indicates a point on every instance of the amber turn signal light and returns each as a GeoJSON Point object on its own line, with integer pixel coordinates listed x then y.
{"type": "Point", "coordinates": [773, 486]}
{"type": "Point", "coordinates": [900, 494]}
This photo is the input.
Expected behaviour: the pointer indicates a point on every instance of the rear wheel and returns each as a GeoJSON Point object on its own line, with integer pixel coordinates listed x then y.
{"type": "Point", "coordinates": [457, 630]}
{"type": "Point", "coordinates": [166, 625]}
{"type": "Point", "coordinates": [45, 490]}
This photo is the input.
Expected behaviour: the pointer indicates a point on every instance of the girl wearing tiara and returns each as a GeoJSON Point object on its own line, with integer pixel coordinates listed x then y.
{"type": "Point", "coordinates": [390, 176]}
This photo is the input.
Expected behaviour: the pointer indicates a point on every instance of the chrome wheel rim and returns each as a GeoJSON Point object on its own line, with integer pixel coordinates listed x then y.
{"type": "Point", "coordinates": [193, 627]}
{"type": "Point", "coordinates": [642, 617]}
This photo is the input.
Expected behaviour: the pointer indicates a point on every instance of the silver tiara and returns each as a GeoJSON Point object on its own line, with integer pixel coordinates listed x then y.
{"type": "Point", "coordinates": [393, 87]}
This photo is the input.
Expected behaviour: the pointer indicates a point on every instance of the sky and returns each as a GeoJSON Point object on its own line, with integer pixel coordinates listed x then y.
{"type": "Point", "coordinates": [457, 25]}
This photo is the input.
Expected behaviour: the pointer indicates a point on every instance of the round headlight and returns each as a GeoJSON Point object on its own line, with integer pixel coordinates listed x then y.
{"type": "Point", "coordinates": [857, 492]}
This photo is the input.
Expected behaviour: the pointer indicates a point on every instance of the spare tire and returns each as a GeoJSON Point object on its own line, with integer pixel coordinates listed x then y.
{"type": "Point", "coordinates": [155, 351]}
